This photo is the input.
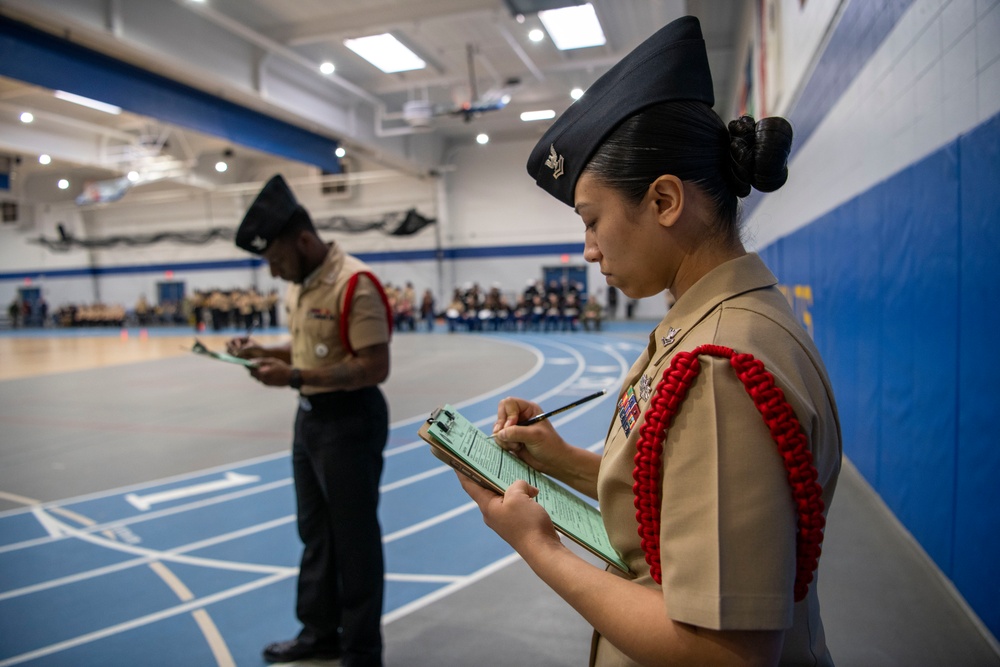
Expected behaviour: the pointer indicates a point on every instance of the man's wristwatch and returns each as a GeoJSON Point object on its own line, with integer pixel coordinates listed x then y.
{"type": "Point", "coordinates": [295, 382]}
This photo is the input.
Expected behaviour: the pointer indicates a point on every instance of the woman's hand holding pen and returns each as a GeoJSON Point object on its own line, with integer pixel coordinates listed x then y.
{"type": "Point", "coordinates": [542, 448]}
{"type": "Point", "coordinates": [538, 445]}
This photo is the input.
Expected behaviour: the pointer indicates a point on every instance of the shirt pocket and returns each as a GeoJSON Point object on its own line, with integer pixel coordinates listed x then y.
{"type": "Point", "coordinates": [321, 337]}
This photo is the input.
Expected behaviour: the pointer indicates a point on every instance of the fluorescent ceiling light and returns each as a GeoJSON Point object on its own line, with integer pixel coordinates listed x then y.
{"type": "Point", "coordinates": [385, 52]}
{"type": "Point", "coordinates": [87, 102]}
{"type": "Point", "coordinates": [543, 114]}
{"type": "Point", "coordinates": [573, 27]}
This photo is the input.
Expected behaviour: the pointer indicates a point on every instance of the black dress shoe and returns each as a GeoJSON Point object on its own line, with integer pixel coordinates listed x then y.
{"type": "Point", "coordinates": [294, 650]}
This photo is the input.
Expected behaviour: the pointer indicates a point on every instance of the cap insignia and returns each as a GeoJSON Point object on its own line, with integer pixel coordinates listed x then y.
{"type": "Point", "coordinates": [555, 162]}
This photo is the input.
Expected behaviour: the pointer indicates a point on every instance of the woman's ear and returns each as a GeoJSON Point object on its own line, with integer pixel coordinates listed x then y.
{"type": "Point", "coordinates": [667, 196]}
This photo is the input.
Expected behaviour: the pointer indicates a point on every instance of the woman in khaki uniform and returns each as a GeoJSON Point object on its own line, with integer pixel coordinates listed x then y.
{"type": "Point", "coordinates": [723, 454]}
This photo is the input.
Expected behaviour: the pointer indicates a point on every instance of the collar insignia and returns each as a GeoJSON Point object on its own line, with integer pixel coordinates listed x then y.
{"type": "Point", "coordinates": [669, 338]}
{"type": "Point", "coordinates": [645, 388]}
{"type": "Point", "coordinates": [555, 162]}
{"type": "Point", "coordinates": [258, 243]}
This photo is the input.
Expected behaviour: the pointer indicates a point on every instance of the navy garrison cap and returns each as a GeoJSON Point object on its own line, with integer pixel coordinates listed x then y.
{"type": "Point", "coordinates": [267, 216]}
{"type": "Point", "coordinates": [670, 65]}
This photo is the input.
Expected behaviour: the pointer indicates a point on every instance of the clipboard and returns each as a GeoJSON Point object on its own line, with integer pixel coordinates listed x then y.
{"type": "Point", "coordinates": [199, 348]}
{"type": "Point", "coordinates": [456, 441]}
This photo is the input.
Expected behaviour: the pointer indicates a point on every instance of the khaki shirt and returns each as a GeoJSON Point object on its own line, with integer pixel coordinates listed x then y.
{"type": "Point", "coordinates": [315, 309]}
{"type": "Point", "coordinates": [727, 522]}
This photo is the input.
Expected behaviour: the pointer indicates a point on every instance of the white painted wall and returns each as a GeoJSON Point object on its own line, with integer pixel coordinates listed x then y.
{"type": "Point", "coordinates": [936, 76]}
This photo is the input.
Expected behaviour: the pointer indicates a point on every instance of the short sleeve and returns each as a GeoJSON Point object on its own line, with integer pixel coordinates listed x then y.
{"type": "Point", "coordinates": [368, 322]}
{"type": "Point", "coordinates": [727, 538]}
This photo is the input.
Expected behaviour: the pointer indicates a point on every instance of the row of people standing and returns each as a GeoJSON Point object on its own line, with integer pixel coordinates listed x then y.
{"type": "Point", "coordinates": [234, 308]}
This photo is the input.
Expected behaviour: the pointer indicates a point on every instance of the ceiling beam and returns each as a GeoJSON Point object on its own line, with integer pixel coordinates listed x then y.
{"type": "Point", "coordinates": [379, 19]}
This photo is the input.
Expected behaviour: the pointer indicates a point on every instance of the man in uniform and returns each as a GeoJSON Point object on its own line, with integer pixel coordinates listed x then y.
{"type": "Point", "coordinates": [337, 356]}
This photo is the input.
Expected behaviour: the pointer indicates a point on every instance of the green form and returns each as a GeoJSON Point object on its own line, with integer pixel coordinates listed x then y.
{"type": "Point", "coordinates": [199, 348]}
{"type": "Point", "coordinates": [471, 448]}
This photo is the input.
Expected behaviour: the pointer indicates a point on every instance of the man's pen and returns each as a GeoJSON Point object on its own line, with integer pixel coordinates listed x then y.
{"type": "Point", "coordinates": [546, 415]}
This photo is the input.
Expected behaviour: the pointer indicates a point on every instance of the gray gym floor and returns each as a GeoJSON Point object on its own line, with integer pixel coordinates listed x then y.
{"type": "Point", "coordinates": [70, 434]}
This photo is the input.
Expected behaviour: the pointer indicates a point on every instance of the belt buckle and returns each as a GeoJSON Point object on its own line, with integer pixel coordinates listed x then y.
{"type": "Point", "coordinates": [304, 403]}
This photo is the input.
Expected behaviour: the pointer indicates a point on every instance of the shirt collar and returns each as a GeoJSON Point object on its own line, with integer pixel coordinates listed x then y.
{"type": "Point", "coordinates": [327, 271]}
{"type": "Point", "coordinates": [737, 276]}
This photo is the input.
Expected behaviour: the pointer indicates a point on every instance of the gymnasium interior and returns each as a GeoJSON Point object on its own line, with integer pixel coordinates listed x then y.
{"type": "Point", "coordinates": [147, 515]}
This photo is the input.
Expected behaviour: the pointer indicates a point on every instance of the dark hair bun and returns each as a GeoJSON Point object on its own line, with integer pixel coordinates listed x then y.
{"type": "Point", "coordinates": [759, 153]}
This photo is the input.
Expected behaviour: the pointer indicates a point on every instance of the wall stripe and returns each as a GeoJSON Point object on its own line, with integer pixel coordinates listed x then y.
{"type": "Point", "coordinates": [42, 59]}
{"type": "Point", "coordinates": [860, 30]}
{"type": "Point", "coordinates": [448, 254]}
{"type": "Point", "coordinates": [904, 281]}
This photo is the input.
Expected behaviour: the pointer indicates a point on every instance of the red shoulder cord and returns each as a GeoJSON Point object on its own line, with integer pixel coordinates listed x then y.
{"type": "Point", "coordinates": [787, 434]}
{"type": "Point", "coordinates": [345, 314]}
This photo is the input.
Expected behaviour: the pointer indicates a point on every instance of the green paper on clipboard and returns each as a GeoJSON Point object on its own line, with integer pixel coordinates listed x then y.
{"type": "Point", "coordinates": [457, 441]}
{"type": "Point", "coordinates": [199, 348]}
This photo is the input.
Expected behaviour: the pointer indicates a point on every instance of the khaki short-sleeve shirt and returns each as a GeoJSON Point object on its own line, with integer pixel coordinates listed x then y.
{"type": "Point", "coordinates": [727, 522]}
{"type": "Point", "coordinates": [316, 307]}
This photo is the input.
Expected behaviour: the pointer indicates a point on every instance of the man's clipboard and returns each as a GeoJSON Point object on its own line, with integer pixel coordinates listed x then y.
{"type": "Point", "coordinates": [199, 348]}
{"type": "Point", "coordinates": [457, 442]}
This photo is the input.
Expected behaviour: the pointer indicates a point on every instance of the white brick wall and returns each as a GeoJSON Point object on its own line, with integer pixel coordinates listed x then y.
{"type": "Point", "coordinates": [936, 76]}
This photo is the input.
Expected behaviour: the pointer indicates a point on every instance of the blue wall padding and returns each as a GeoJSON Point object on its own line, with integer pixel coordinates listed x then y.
{"type": "Point", "coordinates": [905, 282]}
{"type": "Point", "coordinates": [39, 58]}
{"type": "Point", "coordinates": [977, 480]}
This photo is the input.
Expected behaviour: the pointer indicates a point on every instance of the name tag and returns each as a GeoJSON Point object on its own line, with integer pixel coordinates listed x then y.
{"type": "Point", "coordinates": [628, 410]}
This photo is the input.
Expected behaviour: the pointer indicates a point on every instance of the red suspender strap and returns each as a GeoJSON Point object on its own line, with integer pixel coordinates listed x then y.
{"type": "Point", "coordinates": [345, 315]}
{"type": "Point", "coordinates": [784, 428]}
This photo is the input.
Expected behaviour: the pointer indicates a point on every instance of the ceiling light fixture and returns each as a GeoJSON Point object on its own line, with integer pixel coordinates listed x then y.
{"type": "Point", "coordinates": [576, 93]}
{"type": "Point", "coordinates": [327, 67]}
{"type": "Point", "coordinates": [44, 159]}
{"type": "Point", "coordinates": [385, 52]}
{"type": "Point", "coordinates": [27, 117]}
{"type": "Point", "coordinates": [482, 139]}
{"type": "Point", "coordinates": [87, 102]}
{"type": "Point", "coordinates": [541, 114]}
{"type": "Point", "coordinates": [63, 184]}
{"type": "Point", "coordinates": [574, 27]}
{"type": "Point", "coordinates": [536, 35]}
{"type": "Point", "coordinates": [340, 152]}
{"type": "Point", "coordinates": [221, 166]}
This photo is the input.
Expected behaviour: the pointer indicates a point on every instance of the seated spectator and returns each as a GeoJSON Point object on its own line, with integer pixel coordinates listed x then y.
{"type": "Point", "coordinates": [592, 314]}
{"type": "Point", "coordinates": [455, 312]}
{"type": "Point", "coordinates": [570, 312]}
{"type": "Point", "coordinates": [537, 313]}
{"type": "Point", "coordinates": [553, 312]}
